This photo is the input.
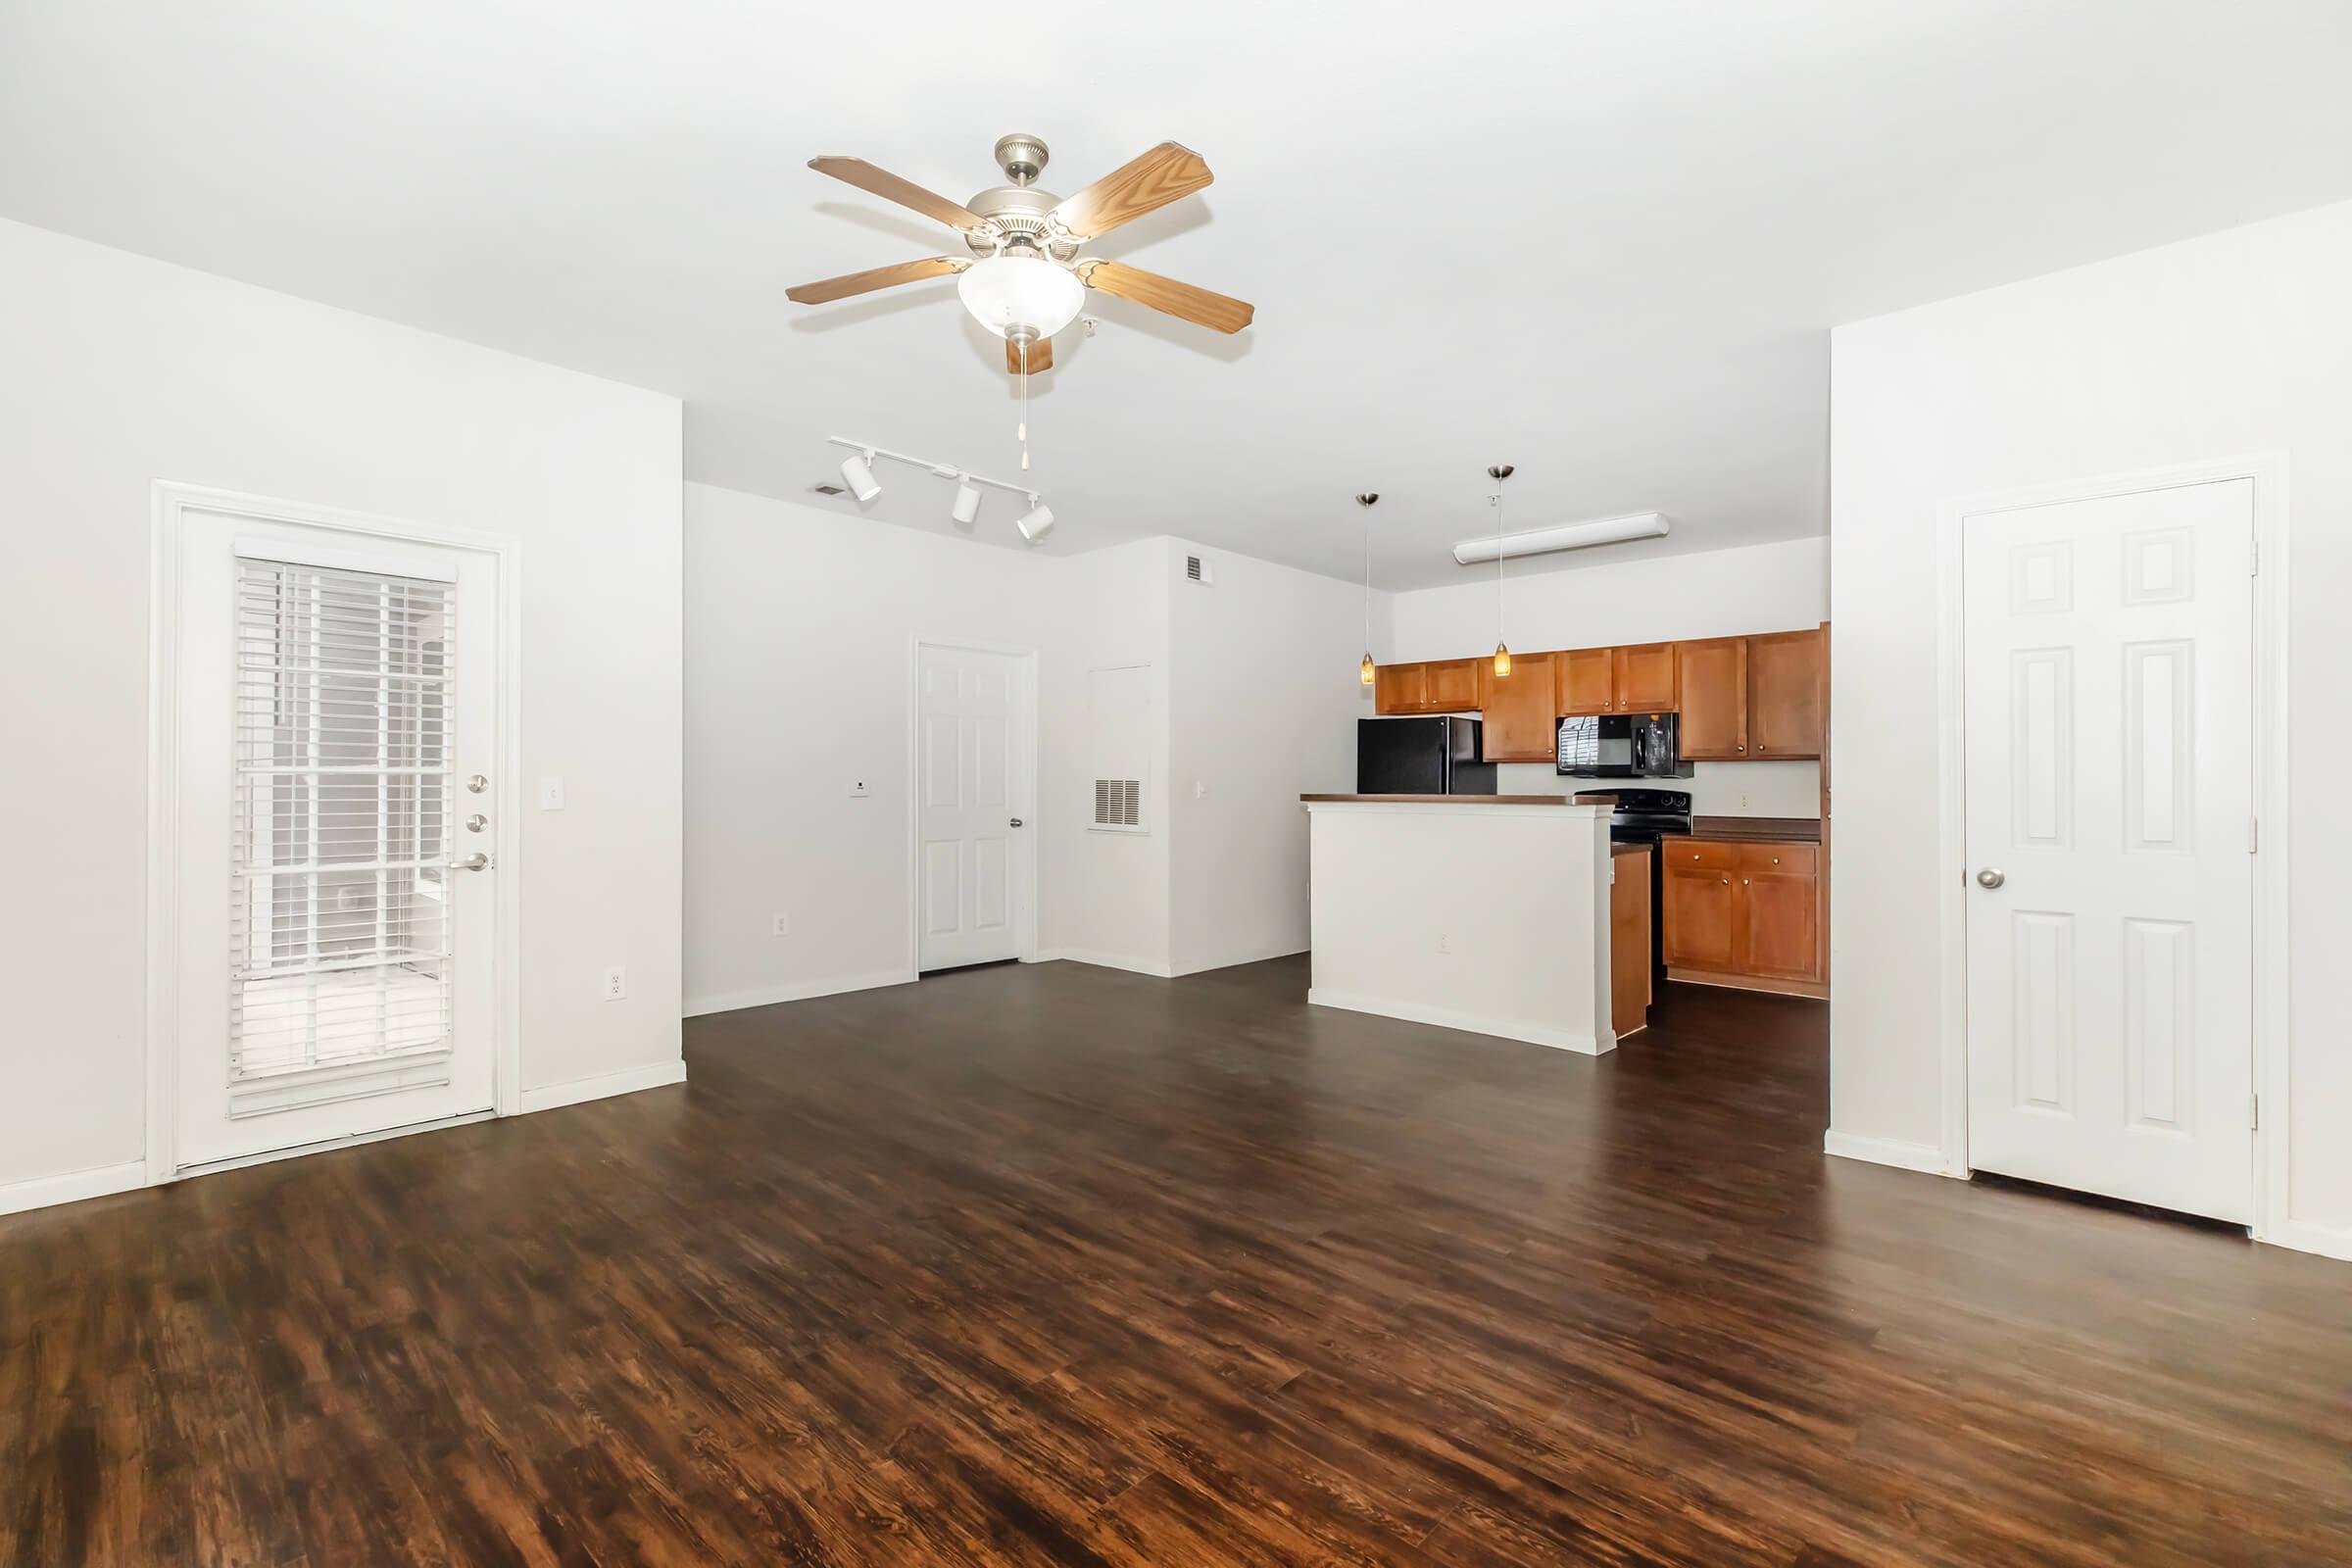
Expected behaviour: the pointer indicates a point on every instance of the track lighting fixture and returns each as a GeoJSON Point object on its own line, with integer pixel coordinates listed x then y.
{"type": "Point", "coordinates": [857, 473]}
{"type": "Point", "coordinates": [1367, 671]}
{"type": "Point", "coordinates": [856, 470]}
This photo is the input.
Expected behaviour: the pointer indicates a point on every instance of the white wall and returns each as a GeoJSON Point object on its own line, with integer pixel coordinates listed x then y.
{"type": "Point", "coordinates": [117, 371]}
{"type": "Point", "coordinates": [1264, 698]}
{"type": "Point", "coordinates": [1598, 604]}
{"type": "Point", "coordinates": [2236, 343]}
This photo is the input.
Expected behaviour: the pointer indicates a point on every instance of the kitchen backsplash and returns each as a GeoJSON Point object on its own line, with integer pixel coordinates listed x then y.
{"type": "Point", "coordinates": [1716, 789]}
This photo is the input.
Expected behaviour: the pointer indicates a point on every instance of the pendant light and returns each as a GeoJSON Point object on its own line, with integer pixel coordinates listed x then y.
{"type": "Point", "coordinates": [1503, 654]}
{"type": "Point", "coordinates": [1367, 671]}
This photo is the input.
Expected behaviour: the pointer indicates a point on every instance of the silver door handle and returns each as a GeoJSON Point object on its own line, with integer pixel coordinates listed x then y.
{"type": "Point", "coordinates": [1990, 877]}
{"type": "Point", "coordinates": [1016, 822]}
{"type": "Point", "coordinates": [475, 862]}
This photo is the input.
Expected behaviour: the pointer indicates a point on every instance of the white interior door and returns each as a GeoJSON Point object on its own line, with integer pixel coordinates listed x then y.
{"type": "Point", "coordinates": [975, 717]}
{"type": "Point", "coordinates": [2108, 671]}
{"type": "Point", "coordinates": [335, 696]}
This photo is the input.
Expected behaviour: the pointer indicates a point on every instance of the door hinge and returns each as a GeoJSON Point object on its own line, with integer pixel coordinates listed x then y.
{"type": "Point", "coordinates": [2254, 1111]}
{"type": "Point", "coordinates": [2253, 558]}
{"type": "Point", "coordinates": [2254, 836]}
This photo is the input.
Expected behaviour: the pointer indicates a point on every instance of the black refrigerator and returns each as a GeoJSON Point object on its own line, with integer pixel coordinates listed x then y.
{"type": "Point", "coordinates": [1420, 756]}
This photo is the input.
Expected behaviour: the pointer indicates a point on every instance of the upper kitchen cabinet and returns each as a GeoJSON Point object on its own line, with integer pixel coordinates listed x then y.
{"type": "Point", "coordinates": [1647, 679]}
{"type": "Point", "coordinates": [1453, 686]}
{"type": "Point", "coordinates": [1399, 688]}
{"type": "Point", "coordinates": [1587, 681]}
{"type": "Point", "coordinates": [1440, 686]}
{"type": "Point", "coordinates": [1788, 695]}
{"type": "Point", "coordinates": [1518, 713]}
{"type": "Point", "coordinates": [1714, 722]}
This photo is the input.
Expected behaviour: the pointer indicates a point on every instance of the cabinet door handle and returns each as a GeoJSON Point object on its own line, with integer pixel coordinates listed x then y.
{"type": "Point", "coordinates": [1744, 747]}
{"type": "Point", "coordinates": [1727, 881]}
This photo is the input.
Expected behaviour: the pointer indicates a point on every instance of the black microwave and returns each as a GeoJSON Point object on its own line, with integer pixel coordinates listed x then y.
{"type": "Point", "coordinates": [1621, 746]}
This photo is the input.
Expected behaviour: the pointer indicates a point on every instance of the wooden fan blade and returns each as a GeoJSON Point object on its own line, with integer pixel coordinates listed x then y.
{"type": "Point", "coordinates": [866, 282]}
{"type": "Point", "coordinates": [1041, 356]}
{"type": "Point", "coordinates": [905, 192]}
{"type": "Point", "coordinates": [1162, 176]}
{"type": "Point", "coordinates": [1166, 294]}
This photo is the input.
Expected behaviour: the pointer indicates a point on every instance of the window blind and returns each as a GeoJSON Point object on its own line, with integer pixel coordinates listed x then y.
{"type": "Point", "coordinates": [339, 923]}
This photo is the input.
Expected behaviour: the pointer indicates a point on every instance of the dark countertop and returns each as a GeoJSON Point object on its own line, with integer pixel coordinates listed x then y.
{"type": "Point", "coordinates": [1450, 799]}
{"type": "Point", "coordinates": [1754, 829]}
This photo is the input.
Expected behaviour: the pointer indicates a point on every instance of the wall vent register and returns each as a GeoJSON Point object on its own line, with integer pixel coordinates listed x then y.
{"type": "Point", "coordinates": [339, 930]}
{"type": "Point", "coordinates": [1118, 802]}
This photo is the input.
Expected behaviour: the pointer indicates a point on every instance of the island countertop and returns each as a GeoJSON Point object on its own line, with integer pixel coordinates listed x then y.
{"type": "Point", "coordinates": [1440, 800]}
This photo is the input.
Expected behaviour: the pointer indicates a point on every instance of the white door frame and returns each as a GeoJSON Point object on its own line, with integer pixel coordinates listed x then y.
{"type": "Point", "coordinates": [1034, 818]}
{"type": "Point", "coordinates": [2272, 1081]}
{"type": "Point", "coordinates": [172, 502]}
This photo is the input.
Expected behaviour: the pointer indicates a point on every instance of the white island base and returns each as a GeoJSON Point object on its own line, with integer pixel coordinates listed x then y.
{"type": "Point", "coordinates": [1489, 914]}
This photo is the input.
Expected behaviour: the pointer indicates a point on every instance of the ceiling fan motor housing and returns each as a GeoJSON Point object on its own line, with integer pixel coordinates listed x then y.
{"type": "Point", "coordinates": [1018, 215]}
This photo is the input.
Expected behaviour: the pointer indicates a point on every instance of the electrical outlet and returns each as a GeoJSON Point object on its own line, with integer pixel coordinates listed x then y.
{"type": "Point", "coordinates": [781, 927]}
{"type": "Point", "coordinates": [551, 794]}
{"type": "Point", "coordinates": [1442, 945]}
{"type": "Point", "coordinates": [617, 983]}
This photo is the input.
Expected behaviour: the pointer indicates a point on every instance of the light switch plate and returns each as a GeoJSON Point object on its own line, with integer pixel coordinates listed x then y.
{"type": "Point", "coordinates": [551, 794]}
{"type": "Point", "coordinates": [858, 791]}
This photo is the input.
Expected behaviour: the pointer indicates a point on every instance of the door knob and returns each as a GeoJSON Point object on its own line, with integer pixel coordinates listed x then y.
{"type": "Point", "coordinates": [475, 862]}
{"type": "Point", "coordinates": [1990, 877]}
{"type": "Point", "coordinates": [1016, 822]}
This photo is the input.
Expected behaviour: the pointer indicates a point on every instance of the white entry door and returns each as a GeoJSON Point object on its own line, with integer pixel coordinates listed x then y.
{"type": "Point", "coordinates": [975, 717]}
{"type": "Point", "coordinates": [2108, 696]}
{"type": "Point", "coordinates": [335, 700]}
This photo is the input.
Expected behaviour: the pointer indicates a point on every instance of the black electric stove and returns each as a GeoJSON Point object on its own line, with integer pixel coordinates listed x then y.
{"type": "Point", "coordinates": [1646, 816]}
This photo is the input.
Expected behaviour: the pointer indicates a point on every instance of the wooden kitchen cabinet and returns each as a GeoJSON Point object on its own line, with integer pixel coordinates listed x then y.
{"type": "Point", "coordinates": [1438, 686]}
{"type": "Point", "coordinates": [1587, 680]}
{"type": "Point", "coordinates": [1698, 913]}
{"type": "Point", "coordinates": [1617, 680]}
{"type": "Point", "coordinates": [1647, 679]}
{"type": "Point", "coordinates": [1451, 686]}
{"type": "Point", "coordinates": [1787, 694]}
{"type": "Point", "coordinates": [1520, 722]}
{"type": "Point", "coordinates": [1744, 913]}
{"type": "Point", "coordinates": [1714, 697]}
{"type": "Point", "coordinates": [1629, 916]}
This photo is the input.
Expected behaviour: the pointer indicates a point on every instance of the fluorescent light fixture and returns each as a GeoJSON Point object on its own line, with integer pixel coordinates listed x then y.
{"type": "Point", "coordinates": [1566, 536]}
{"type": "Point", "coordinates": [967, 502]}
{"type": "Point", "coordinates": [1037, 522]}
{"type": "Point", "coordinates": [859, 476]}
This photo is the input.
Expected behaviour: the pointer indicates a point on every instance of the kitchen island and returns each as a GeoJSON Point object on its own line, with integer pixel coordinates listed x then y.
{"type": "Point", "coordinates": [1483, 913]}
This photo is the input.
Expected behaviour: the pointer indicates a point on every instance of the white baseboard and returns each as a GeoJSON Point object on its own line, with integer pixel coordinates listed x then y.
{"type": "Point", "coordinates": [40, 1192]}
{"type": "Point", "coordinates": [1452, 1018]}
{"type": "Point", "coordinates": [1214, 964]}
{"type": "Point", "coordinates": [1108, 960]}
{"type": "Point", "coordinates": [2304, 1236]}
{"type": "Point", "coordinates": [1885, 1151]}
{"type": "Point", "coordinates": [798, 991]}
{"type": "Point", "coordinates": [603, 1086]}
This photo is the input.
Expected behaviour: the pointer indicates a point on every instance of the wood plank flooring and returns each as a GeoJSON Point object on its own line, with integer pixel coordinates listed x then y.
{"type": "Point", "coordinates": [1054, 1265]}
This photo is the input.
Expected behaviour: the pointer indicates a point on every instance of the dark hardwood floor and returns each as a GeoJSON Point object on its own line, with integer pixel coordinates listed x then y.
{"type": "Point", "coordinates": [1063, 1265]}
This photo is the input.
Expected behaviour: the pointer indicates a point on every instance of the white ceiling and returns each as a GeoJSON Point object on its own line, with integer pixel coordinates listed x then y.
{"type": "Point", "coordinates": [1602, 241]}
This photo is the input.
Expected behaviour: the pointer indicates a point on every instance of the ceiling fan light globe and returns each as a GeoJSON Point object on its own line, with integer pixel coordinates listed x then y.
{"type": "Point", "coordinates": [1006, 293]}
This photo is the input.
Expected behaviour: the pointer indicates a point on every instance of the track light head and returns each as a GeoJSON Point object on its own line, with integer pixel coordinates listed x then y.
{"type": "Point", "coordinates": [1037, 521]}
{"type": "Point", "coordinates": [1367, 499]}
{"type": "Point", "coordinates": [857, 473]}
{"type": "Point", "coordinates": [1500, 471]}
{"type": "Point", "coordinates": [967, 502]}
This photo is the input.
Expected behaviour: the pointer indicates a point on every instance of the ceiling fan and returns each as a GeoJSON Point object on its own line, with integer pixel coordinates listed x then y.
{"type": "Point", "coordinates": [1024, 279]}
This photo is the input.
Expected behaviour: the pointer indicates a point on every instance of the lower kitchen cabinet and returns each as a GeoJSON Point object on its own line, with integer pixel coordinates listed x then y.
{"type": "Point", "coordinates": [1629, 916]}
{"type": "Point", "coordinates": [1744, 913]}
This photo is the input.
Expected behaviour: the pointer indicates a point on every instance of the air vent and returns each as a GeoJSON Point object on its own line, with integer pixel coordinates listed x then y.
{"type": "Point", "coordinates": [828, 490]}
{"type": "Point", "coordinates": [1118, 802]}
{"type": "Point", "coordinates": [1197, 570]}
